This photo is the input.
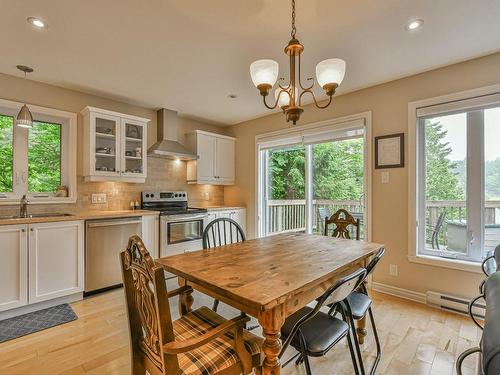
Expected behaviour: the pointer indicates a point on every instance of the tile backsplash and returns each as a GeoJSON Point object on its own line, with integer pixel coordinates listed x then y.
{"type": "Point", "coordinates": [163, 174]}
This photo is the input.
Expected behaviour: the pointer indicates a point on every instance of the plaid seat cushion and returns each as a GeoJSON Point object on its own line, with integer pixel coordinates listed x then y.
{"type": "Point", "coordinates": [218, 354]}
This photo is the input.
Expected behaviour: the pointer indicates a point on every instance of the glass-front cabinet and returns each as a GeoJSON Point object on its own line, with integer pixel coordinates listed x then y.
{"type": "Point", "coordinates": [115, 146]}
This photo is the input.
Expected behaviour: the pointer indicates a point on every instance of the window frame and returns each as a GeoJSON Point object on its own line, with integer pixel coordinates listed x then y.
{"type": "Point", "coordinates": [68, 122]}
{"type": "Point", "coordinates": [445, 104]}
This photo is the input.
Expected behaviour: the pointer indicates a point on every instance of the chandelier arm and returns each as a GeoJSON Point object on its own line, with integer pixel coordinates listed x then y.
{"type": "Point", "coordinates": [284, 87]}
{"type": "Point", "coordinates": [314, 98]}
{"type": "Point", "coordinates": [300, 79]}
{"type": "Point", "coordinates": [277, 100]}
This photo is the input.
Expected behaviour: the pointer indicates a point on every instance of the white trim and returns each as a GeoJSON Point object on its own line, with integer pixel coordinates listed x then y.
{"type": "Point", "coordinates": [41, 305]}
{"type": "Point", "coordinates": [367, 117]}
{"type": "Point", "coordinates": [211, 134]}
{"type": "Point", "coordinates": [453, 264]}
{"type": "Point", "coordinates": [413, 256]}
{"type": "Point", "coordinates": [112, 113]}
{"type": "Point", "coordinates": [400, 292]}
{"type": "Point", "coordinates": [68, 152]}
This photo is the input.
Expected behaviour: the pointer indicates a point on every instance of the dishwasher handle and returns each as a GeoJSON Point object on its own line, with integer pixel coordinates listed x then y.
{"type": "Point", "coordinates": [108, 223]}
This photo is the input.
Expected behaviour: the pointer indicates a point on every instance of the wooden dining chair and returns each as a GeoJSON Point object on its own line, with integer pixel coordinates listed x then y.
{"type": "Point", "coordinates": [341, 221]}
{"type": "Point", "coordinates": [219, 232]}
{"type": "Point", "coordinates": [314, 333]}
{"type": "Point", "coordinates": [200, 342]}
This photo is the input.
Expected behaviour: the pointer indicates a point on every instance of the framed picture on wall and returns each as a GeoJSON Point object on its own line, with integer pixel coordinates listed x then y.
{"type": "Point", "coordinates": [390, 151]}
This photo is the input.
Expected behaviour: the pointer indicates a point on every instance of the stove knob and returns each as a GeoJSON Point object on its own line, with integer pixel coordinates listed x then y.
{"type": "Point", "coordinates": [147, 195]}
{"type": "Point", "coordinates": [184, 194]}
{"type": "Point", "coordinates": [152, 195]}
{"type": "Point", "coordinates": [176, 195]}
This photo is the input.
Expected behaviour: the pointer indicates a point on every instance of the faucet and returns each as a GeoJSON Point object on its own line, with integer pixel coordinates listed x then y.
{"type": "Point", "coordinates": [23, 206]}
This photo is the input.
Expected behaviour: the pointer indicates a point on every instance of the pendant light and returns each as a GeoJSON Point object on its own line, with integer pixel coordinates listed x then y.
{"type": "Point", "coordinates": [24, 117]}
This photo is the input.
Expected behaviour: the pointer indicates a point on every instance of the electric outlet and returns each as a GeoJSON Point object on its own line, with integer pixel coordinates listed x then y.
{"type": "Point", "coordinates": [385, 177]}
{"type": "Point", "coordinates": [206, 195]}
{"type": "Point", "coordinates": [393, 269]}
{"type": "Point", "coordinates": [99, 198]}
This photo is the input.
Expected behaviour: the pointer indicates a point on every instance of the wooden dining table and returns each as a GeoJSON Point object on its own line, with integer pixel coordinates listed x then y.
{"type": "Point", "coordinates": [269, 278]}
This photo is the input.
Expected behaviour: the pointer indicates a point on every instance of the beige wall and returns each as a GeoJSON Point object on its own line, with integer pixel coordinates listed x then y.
{"type": "Point", "coordinates": [162, 174]}
{"type": "Point", "coordinates": [389, 105]}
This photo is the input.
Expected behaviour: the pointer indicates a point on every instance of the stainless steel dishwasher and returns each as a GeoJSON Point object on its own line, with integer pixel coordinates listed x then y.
{"type": "Point", "coordinates": [105, 239]}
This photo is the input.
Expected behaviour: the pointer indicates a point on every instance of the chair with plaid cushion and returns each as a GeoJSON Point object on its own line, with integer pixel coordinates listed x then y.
{"type": "Point", "coordinates": [201, 342]}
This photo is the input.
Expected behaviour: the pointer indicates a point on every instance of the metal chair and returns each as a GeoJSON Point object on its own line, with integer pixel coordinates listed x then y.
{"type": "Point", "coordinates": [356, 306]}
{"type": "Point", "coordinates": [342, 220]}
{"type": "Point", "coordinates": [437, 228]}
{"type": "Point", "coordinates": [220, 232]}
{"type": "Point", "coordinates": [314, 333]}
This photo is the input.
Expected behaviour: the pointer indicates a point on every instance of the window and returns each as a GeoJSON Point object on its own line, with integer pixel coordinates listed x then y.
{"type": "Point", "coordinates": [308, 173]}
{"type": "Point", "coordinates": [458, 178]}
{"type": "Point", "coordinates": [37, 161]}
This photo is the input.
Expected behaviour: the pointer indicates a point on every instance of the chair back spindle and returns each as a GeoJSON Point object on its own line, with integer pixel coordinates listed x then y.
{"type": "Point", "coordinates": [222, 231]}
{"type": "Point", "coordinates": [342, 220]}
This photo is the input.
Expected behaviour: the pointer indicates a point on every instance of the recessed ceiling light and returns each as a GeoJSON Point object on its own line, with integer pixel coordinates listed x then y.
{"type": "Point", "coordinates": [37, 22]}
{"type": "Point", "coordinates": [232, 96]}
{"type": "Point", "coordinates": [414, 24]}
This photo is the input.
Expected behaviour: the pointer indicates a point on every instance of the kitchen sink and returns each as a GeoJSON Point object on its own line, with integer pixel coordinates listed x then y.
{"type": "Point", "coordinates": [41, 215]}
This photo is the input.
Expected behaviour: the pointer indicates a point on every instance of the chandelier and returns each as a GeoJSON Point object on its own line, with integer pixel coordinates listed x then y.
{"type": "Point", "coordinates": [329, 74]}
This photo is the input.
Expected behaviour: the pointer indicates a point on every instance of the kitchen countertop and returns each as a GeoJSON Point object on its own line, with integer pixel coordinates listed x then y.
{"type": "Point", "coordinates": [79, 215]}
{"type": "Point", "coordinates": [223, 208]}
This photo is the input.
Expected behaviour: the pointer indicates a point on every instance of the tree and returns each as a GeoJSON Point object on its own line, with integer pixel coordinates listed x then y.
{"type": "Point", "coordinates": [442, 176]}
{"type": "Point", "coordinates": [6, 153]}
{"type": "Point", "coordinates": [337, 170]}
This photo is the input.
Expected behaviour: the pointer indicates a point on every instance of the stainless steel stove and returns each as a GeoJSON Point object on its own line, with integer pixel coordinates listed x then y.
{"type": "Point", "coordinates": [181, 226]}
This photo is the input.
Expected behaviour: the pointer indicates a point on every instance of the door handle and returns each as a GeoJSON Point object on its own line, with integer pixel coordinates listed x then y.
{"type": "Point", "coordinates": [471, 237]}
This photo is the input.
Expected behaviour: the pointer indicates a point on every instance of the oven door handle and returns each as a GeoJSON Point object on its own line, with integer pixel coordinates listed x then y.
{"type": "Point", "coordinates": [177, 218]}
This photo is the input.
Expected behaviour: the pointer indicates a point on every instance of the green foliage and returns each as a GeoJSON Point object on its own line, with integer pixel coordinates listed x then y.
{"type": "Point", "coordinates": [337, 171]}
{"type": "Point", "coordinates": [492, 173]}
{"type": "Point", "coordinates": [44, 156]}
{"type": "Point", "coordinates": [442, 177]}
{"type": "Point", "coordinates": [6, 153]}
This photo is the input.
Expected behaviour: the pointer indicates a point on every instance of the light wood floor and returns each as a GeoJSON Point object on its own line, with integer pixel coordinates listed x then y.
{"type": "Point", "coordinates": [415, 339]}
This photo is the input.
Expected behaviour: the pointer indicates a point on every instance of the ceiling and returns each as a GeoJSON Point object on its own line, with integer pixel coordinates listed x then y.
{"type": "Point", "coordinates": [188, 55]}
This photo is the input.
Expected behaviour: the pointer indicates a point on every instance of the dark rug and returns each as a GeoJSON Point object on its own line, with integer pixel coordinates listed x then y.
{"type": "Point", "coordinates": [23, 325]}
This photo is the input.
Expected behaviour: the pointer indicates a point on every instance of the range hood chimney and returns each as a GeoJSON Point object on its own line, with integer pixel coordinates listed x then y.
{"type": "Point", "coordinates": [168, 146]}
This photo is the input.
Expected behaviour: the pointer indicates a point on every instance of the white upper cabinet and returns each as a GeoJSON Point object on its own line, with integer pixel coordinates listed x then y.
{"type": "Point", "coordinates": [115, 146]}
{"type": "Point", "coordinates": [215, 164]}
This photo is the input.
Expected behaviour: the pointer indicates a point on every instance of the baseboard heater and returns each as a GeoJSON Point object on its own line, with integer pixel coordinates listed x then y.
{"type": "Point", "coordinates": [455, 304]}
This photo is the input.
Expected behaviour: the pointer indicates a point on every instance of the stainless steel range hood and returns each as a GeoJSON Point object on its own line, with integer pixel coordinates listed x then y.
{"type": "Point", "coordinates": [168, 146]}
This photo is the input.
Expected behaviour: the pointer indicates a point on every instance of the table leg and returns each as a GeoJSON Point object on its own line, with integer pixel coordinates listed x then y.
{"type": "Point", "coordinates": [271, 323]}
{"type": "Point", "coordinates": [361, 330]}
{"type": "Point", "coordinates": [185, 302]}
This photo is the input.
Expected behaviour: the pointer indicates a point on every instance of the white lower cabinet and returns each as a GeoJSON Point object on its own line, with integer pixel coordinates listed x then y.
{"type": "Point", "coordinates": [13, 266]}
{"type": "Point", "coordinates": [40, 262]}
{"type": "Point", "coordinates": [55, 260]}
{"type": "Point", "coordinates": [151, 234]}
{"type": "Point", "coordinates": [237, 214]}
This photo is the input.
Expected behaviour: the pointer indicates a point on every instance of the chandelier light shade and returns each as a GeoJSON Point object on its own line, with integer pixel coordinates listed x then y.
{"type": "Point", "coordinates": [24, 117]}
{"type": "Point", "coordinates": [264, 73]}
{"type": "Point", "coordinates": [330, 72]}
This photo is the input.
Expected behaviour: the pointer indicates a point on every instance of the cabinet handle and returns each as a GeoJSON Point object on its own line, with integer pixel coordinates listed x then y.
{"type": "Point", "coordinates": [31, 229]}
{"type": "Point", "coordinates": [23, 230]}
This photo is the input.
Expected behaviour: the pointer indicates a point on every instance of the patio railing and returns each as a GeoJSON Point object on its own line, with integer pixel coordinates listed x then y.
{"type": "Point", "coordinates": [289, 215]}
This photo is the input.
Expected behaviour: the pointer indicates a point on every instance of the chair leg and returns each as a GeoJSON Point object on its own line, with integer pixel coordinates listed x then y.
{"type": "Point", "coordinates": [377, 342]}
{"type": "Point", "coordinates": [356, 343]}
{"type": "Point", "coordinates": [216, 305]}
{"type": "Point", "coordinates": [305, 357]}
{"type": "Point", "coordinates": [353, 356]}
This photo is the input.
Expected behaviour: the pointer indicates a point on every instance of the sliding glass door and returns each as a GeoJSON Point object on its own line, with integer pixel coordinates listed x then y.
{"type": "Point", "coordinates": [305, 178]}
